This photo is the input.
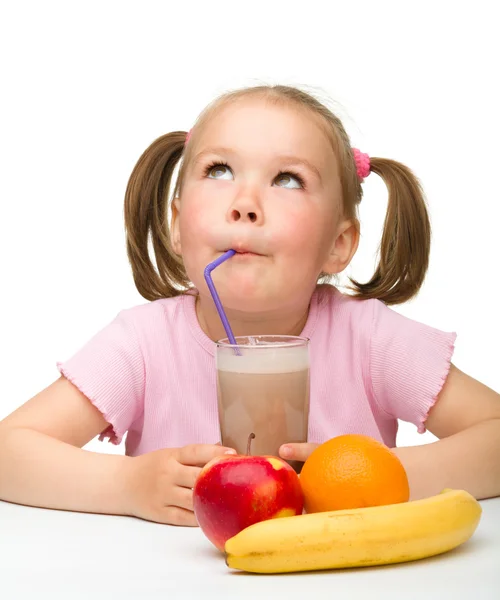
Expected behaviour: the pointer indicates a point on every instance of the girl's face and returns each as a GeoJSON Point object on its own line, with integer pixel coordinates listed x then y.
{"type": "Point", "coordinates": [263, 181]}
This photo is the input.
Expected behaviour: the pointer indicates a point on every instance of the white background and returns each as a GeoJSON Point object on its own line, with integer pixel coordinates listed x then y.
{"type": "Point", "coordinates": [87, 86]}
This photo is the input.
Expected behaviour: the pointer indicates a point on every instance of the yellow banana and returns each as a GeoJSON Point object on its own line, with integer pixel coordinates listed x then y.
{"type": "Point", "coordinates": [356, 538]}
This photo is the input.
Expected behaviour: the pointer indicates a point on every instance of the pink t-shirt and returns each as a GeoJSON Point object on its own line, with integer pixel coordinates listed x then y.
{"type": "Point", "coordinates": [151, 372]}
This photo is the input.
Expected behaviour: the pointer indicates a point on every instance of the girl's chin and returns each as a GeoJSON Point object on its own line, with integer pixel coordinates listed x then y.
{"type": "Point", "coordinates": [248, 289]}
{"type": "Point", "coordinates": [238, 299]}
{"type": "Point", "coordinates": [244, 303]}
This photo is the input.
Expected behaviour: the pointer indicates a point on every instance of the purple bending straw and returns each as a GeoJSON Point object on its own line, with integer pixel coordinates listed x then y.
{"type": "Point", "coordinates": [208, 278]}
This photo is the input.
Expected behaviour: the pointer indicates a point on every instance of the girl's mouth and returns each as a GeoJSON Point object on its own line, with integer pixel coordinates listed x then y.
{"type": "Point", "coordinates": [244, 252]}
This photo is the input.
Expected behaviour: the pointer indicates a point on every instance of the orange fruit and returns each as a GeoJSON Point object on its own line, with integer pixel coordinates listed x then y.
{"type": "Point", "coordinates": [352, 471]}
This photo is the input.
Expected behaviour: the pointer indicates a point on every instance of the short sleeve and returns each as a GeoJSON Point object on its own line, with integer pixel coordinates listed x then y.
{"type": "Point", "coordinates": [109, 371]}
{"type": "Point", "coordinates": [409, 363]}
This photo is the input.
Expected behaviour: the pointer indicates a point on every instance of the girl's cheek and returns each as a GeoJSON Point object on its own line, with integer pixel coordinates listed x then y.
{"type": "Point", "coordinates": [297, 227]}
{"type": "Point", "coordinates": [199, 224]}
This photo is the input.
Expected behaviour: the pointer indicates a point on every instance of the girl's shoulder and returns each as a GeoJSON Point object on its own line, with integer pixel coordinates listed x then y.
{"type": "Point", "coordinates": [369, 315]}
{"type": "Point", "coordinates": [164, 310]}
{"type": "Point", "coordinates": [403, 362]}
{"type": "Point", "coordinates": [370, 323]}
{"type": "Point", "coordinates": [343, 308]}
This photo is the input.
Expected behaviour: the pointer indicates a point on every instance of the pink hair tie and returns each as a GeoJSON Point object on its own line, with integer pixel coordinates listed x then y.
{"type": "Point", "coordinates": [362, 161]}
{"type": "Point", "coordinates": [188, 135]}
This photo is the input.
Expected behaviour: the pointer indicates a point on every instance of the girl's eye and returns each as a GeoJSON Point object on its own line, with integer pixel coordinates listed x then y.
{"type": "Point", "coordinates": [219, 171]}
{"type": "Point", "coordinates": [290, 181]}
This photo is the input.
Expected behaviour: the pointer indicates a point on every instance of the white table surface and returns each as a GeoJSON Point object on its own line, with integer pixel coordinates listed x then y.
{"type": "Point", "coordinates": [56, 554]}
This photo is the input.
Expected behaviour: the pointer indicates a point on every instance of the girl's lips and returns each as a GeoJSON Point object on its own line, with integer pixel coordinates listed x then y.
{"type": "Point", "coordinates": [244, 252]}
{"type": "Point", "coordinates": [246, 255]}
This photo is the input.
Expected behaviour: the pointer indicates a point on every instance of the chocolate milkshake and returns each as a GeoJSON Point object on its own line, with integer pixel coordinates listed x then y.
{"type": "Point", "coordinates": [263, 388]}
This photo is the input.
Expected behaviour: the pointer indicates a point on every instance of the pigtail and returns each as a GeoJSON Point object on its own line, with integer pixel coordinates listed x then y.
{"type": "Point", "coordinates": [146, 219]}
{"type": "Point", "coordinates": [405, 246]}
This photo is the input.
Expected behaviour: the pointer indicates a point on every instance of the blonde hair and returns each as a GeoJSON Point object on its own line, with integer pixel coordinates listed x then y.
{"type": "Point", "coordinates": [404, 249]}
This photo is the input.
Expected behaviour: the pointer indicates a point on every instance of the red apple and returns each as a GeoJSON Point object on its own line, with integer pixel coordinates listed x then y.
{"type": "Point", "coordinates": [234, 491]}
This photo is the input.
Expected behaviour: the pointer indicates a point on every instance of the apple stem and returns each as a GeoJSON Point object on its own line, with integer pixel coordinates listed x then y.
{"type": "Point", "coordinates": [249, 443]}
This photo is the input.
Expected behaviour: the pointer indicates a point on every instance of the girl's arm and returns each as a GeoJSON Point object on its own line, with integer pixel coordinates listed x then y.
{"type": "Point", "coordinates": [42, 463]}
{"type": "Point", "coordinates": [466, 418]}
{"type": "Point", "coordinates": [41, 460]}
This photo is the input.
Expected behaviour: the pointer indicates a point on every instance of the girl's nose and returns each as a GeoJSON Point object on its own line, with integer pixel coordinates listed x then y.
{"type": "Point", "coordinates": [237, 215]}
{"type": "Point", "coordinates": [246, 208]}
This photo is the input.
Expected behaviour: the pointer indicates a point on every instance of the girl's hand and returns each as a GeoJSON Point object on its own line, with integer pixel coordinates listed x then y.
{"type": "Point", "coordinates": [299, 452]}
{"type": "Point", "coordinates": [160, 483]}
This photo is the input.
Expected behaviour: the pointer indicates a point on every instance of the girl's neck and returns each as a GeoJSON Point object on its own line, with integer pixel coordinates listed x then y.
{"type": "Point", "coordinates": [244, 324]}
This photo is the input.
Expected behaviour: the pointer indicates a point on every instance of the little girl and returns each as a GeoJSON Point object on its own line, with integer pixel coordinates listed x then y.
{"type": "Point", "coordinates": [269, 172]}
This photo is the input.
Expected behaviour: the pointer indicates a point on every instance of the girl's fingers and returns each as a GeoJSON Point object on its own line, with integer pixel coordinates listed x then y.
{"type": "Point", "coordinates": [174, 515]}
{"type": "Point", "coordinates": [185, 477]}
{"type": "Point", "coordinates": [199, 454]}
{"type": "Point", "coordinates": [299, 452]}
{"type": "Point", "coordinates": [182, 498]}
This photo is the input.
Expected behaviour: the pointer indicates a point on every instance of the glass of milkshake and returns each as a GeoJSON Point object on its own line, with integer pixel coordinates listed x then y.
{"type": "Point", "coordinates": [263, 389]}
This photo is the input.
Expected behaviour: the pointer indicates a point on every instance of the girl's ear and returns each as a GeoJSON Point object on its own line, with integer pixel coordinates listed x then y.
{"type": "Point", "coordinates": [343, 248]}
{"type": "Point", "coordinates": [175, 234]}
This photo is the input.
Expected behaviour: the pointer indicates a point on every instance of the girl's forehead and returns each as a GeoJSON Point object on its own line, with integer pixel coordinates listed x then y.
{"type": "Point", "coordinates": [261, 123]}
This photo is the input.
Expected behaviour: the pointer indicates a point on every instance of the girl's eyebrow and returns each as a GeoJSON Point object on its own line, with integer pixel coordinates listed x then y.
{"type": "Point", "coordinates": [289, 159]}
{"type": "Point", "coordinates": [295, 160]}
{"type": "Point", "coordinates": [212, 150]}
